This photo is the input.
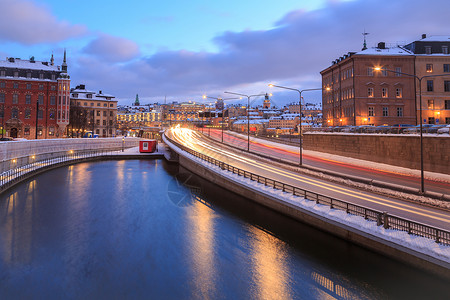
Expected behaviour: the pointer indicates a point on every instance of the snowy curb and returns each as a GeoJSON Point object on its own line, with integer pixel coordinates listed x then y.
{"type": "Point", "coordinates": [416, 243]}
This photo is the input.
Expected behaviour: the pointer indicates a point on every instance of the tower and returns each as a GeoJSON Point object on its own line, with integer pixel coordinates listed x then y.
{"type": "Point", "coordinates": [266, 103]}
{"type": "Point", "coordinates": [63, 99]}
{"type": "Point", "coordinates": [136, 102]}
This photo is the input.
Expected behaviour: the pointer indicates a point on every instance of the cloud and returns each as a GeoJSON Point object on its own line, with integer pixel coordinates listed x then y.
{"type": "Point", "coordinates": [25, 22]}
{"type": "Point", "coordinates": [112, 49]}
{"type": "Point", "coordinates": [300, 45]}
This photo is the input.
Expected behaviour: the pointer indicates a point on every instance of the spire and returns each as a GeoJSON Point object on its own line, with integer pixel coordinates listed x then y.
{"type": "Point", "coordinates": [365, 43]}
{"type": "Point", "coordinates": [52, 60]}
{"type": "Point", "coordinates": [136, 102]}
{"type": "Point", "coordinates": [64, 64]}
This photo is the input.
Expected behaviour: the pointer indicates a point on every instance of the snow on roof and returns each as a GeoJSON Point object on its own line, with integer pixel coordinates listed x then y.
{"type": "Point", "coordinates": [436, 38]}
{"type": "Point", "coordinates": [386, 51]}
{"type": "Point", "coordinates": [252, 121]}
{"type": "Point", "coordinates": [28, 65]}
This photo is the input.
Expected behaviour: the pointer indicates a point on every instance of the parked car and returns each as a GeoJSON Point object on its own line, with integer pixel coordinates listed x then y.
{"type": "Point", "coordinates": [435, 128]}
{"type": "Point", "coordinates": [445, 129]}
{"type": "Point", "coordinates": [416, 129]}
{"type": "Point", "coordinates": [349, 129]}
{"type": "Point", "coordinates": [399, 128]}
{"type": "Point", "coordinates": [5, 139]}
{"type": "Point", "coordinates": [378, 129]}
{"type": "Point", "coordinates": [362, 128]}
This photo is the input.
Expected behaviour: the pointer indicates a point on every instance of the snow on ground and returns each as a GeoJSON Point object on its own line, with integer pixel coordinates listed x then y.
{"type": "Point", "coordinates": [420, 244]}
{"type": "Point", "coordinates": [352, 161]}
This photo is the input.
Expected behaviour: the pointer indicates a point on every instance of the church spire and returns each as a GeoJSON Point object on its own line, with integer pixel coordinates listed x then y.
{"type": "Point", "coordinates": [365, 43]}
{"type": "Point", "coordinates": [52, 60]}
{"type": "Point", "coordinates": [136, 102]}
{"type": "Point", "coordinates": [64, 64]}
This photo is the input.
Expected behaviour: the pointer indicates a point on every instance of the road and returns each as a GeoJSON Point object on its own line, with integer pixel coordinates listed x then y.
{"type": "Point", "coordinates": [427, 215]}
{"type": "Point", "coordinates": [292, 154]}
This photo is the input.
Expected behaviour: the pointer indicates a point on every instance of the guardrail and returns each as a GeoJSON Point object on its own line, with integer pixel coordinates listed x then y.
{"type": "Point", "coordinates": [29, 165]}
{"type": "Point", "coordinates": [382, 218]}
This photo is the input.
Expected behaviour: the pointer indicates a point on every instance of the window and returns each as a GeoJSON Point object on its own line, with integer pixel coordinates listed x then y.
{"type": "Point", "coordinates": [64, 100]}
{"type": "Point", "coordinates": [27, 113]}
{"type": "Point", "coordinates": [39, 130]}
{"type": "Point", "coordinates": [431, 120]}
{"type": "Point", "coordinates": [26, 130]}
{"type": "Point", "coordinates": [98, 104]}
{"type": "Point", "coordinates": [89, 96]}
{"type": "Point", "coordinates": [2, 113]}
{"type": "Point", "coordinates": [63, 115]}
{"type": "Point", "coordinates": [52, 115]}
{"type": "Point", "coordinates": [27, 99]}
{"type": "Point", "coordinates": [111, 113]}
{"type": "Point", "coordinates": [53, 87]}
{"type": "Point", "coordinates": [41, 76]}
{"type": "Point", "coordinates": [97, 131]}
{"type": "Point", "coordinates": [446, 68]}
{"type": "Point", "coordinates": [98, 122]}
{"type": "Point", "coordinates": [385, 111]}
{"type": "Point", "coordinates": [85, 103]}
{"type": "Point", "coordinates": [447, 86]}
{"type": "Point", "coordinates": [40, 114]}
{"type": "Point", "coordinates": [75, 95]}
{"type": "Point", "coordinates": [52, 100]}
{"type": "Point", "coordinates": [104, 132]}
{"type": "Point", "coordinates": [447, 104]}
{"type": "Point", "coordinates": [2, 84]}
{"type": "Point", "coordinates": [429, 68]}
{"type": "Point", "coordinates": [28, 75]}
{"type": "Point", "coordinates": [15, 99]}
{"type": "Point", "coordinates": [51, 131]}
{"type": "Point", "coordinates": [398, 92]}
{"type": "Point", "coordinates": [41, 99]}
{"type": "Point", "coordinates": [384, 92]}
{"type": "Point", "coordinates": [370, 71]}
{"type": "Point", "coordinates": [14, 113]}
{"type": "Point", "coordinates": [53, 77]}
{"type": "Point", "coordinates": [104, 122]}
{"type": "Point", "coordinates": [398, 70]}
{"type": "Point", "coordinates": [371, 111]}
{"type": "Point", "coordinates": [427, 49]}
{"type": "Point", "coordinates": [3, 73]}
{"type": "Point", "coordinates": [399, 111]}
{"type": "Point", "coordinates": [92, 103]}
{"type": "Point", "coordinates": [384, 71]}
{"type": "Point", "coordinates": [444, 49]}
{"type": "Point", "coordinates": [105, 105]}
{"type": "Point", "coordinates": [430, 85]}
{"type": "Point", "coordinates": [370, 92]}
{"type": "Point", "coordinates": [104, 113]}
{"type": "Point", "coordinates": [28, 86]}
{"type": "Point", "coordinates": [15, 85]}
{"type": "Point", "coordinates": [430, 104]}
{"type": "Point", "coordinates": [16, 74]}
{"type": "Point", "coordinates": [2, 97]}
{"type": "Point", "coordinates": [111, 105]}
{"type": "Point", "coordinates": [98, 113]}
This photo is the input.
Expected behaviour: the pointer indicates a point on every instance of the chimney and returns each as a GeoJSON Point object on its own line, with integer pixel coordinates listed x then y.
{"type": "Point", "coordinates": [424, 36]}
{"type": "Point", "coordinates": [100, 92]}
{"type": "Point", "coordinates": [381, 45]}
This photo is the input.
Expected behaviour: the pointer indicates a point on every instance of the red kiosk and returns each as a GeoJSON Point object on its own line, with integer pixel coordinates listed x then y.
{"type": "Point", "coordinates": [148, 146]}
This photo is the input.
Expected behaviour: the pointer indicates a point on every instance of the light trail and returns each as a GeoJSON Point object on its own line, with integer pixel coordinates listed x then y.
{"type": "Point", "coordinates": [193, 140]}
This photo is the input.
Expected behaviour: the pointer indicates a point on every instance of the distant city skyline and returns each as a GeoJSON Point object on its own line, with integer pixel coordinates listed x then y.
{"type": "Point", "coordinates": [182, 50]}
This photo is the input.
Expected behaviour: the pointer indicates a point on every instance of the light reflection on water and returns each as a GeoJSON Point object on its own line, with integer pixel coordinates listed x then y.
{"type": "Point", "coordinates": [131, 229]}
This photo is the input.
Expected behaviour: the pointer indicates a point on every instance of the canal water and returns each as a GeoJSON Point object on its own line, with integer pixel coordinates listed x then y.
{"type": "Point", "coordinates": [144, 229]}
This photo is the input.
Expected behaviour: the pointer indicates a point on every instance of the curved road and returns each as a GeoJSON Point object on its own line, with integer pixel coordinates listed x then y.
{"type": "Point", "coordinates": [283, 152]}
{"type": "Point", "coordinates": [427, 215]}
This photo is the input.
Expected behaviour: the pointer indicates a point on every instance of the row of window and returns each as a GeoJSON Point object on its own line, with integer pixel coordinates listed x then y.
{"type": "Point", "coordinates": [385, 92]}
{"type": "Point", "coordinates": [98, 104]}
{"type": "Point", "coordinates": [431, 104]}
{"type": "Point", "coordinates": [430, 86]}
{"type": "Point", "coordinates": [28, 75]}
{"type": "Point", "coordinates": [428, 50]}
{"type": "Point", "coordinates": [385, 111]}
{"type": "Point", "coordinates": [28, 86]}
{"type": "Point", "coordinates": [27, 113]}
{"type": "Point", "coordinates": [445, 68]}
{"type": "Point", "coordinates": [15, 99]}
{"type": "Point", "coordinates": [97, 122]}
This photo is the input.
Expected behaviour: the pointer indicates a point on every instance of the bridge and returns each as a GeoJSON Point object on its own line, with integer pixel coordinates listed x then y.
{"type": "Point", "coordinates": [315, 200]}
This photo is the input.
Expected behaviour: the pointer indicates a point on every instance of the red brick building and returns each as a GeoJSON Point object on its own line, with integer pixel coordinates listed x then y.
{"type": "Point", "coordinates": [34, 98]}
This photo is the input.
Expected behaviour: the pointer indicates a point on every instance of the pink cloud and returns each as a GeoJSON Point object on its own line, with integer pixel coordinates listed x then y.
{"type": "Point", "coordinates": [112, 49]}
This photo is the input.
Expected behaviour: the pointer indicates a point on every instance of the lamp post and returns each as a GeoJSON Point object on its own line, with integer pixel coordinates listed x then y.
{"type": "Point", "coordinates": [422, 181]}
{"type": "Point", "coordinates": [248, 115]}
{"type": "Point", "coordinates": [37, 118]}
{"type": "Point", "coordinates": [300, 110]}
{"type": "Point", "coordinates": [223, 107]}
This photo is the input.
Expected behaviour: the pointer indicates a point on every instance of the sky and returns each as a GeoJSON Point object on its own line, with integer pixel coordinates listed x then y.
{"type": "Point", "coordinates": [180, 50]}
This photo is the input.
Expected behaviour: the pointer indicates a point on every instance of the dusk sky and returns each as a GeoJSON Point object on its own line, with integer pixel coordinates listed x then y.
{"type": "Point", "coordinates": [184, 49]}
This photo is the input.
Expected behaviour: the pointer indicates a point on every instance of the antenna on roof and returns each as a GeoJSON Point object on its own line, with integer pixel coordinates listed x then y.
{"type": "Point", "coordinates": [365, 43]}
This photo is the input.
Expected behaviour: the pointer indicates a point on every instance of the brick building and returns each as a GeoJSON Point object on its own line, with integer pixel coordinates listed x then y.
{"type": "Point", "coordinates": [358, 94]}
{"type": "Point", "coordinates": [34, 98]}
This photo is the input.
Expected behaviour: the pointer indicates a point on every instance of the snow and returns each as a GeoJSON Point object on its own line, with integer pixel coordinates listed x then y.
{"type": "Point", "coordinates": [26, 64]}
{"type": "Point", "coordinates": [387, 51]}
{"type": "Point", "coordinates": [420, 244]}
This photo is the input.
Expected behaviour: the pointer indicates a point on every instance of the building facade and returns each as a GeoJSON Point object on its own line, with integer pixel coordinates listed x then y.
{"type": "Point", "coordinates": [34, 99]}
{"type": "Point", "coordinates": [92, 112]}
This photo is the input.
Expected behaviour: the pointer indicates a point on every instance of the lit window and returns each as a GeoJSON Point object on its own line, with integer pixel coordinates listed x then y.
{"type": "Point", "coordinates": [370, 92]}
{"type": "Point", "coordinates": [384, 92]}
{"type": "Point", "coordinates": [370, 71]}
{"type": "Point", "coordinates": [398, 92]}
{"type": "Point", "coordinates": [429, 68]}
{"type": "Point", "coordinates": [371, 111]}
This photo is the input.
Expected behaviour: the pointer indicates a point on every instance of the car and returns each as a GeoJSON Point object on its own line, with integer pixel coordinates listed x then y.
{"type": "Point", "coordinates": [434, 128]}
{"type": "Point", "coordinates": [5, 139]}
{"type": "Point", "coordinates": [445, 129]}
{"type": "Point", "coordinates": [348, 129]}
{"type": "Point", "coordinates": [416, 129]}
{"type": "Point", "coordinates": [399, 128]}
{"type": "Point", "coordinates": [362, 128]}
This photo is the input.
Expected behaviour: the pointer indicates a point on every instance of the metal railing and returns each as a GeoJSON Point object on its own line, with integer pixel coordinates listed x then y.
{"type": "Point", "coordinates": [382, 218]}
{"type": "Point", "coordinates": [29, 165]}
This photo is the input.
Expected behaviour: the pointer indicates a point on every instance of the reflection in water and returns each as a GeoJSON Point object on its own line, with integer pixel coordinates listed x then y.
{"type": "Point", "coordinates": [270, 274]}
{"type": "Point", "coordinates": [201, 223]}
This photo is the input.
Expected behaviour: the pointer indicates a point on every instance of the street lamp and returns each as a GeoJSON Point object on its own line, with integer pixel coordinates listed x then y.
{"type": "Point", "coordinates": [422, 183]}
{"type": "Point", "coordinates": [223, 107]}
{"type": "Point", "coordinates": [300, 110]}
{"type": "Point", "coordinates": [248, 116]}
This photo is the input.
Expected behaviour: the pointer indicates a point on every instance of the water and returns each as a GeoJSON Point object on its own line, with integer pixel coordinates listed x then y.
{"type": "Point", "coordinates": [149, 230]}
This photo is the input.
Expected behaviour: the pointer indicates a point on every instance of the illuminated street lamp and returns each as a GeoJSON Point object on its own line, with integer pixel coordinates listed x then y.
{"type": "Point", "coordinates": [300, 110]}
{"type": "Point", "coordinates": [248, 115]}
{"type": "Point", "coordinates": [422, 183]}
{"type": "Point", "coordinates": [223, 107]}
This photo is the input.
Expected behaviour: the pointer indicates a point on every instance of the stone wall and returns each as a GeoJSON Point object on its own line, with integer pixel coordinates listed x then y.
{"type": "Point", "coordinates": [397, 150]}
